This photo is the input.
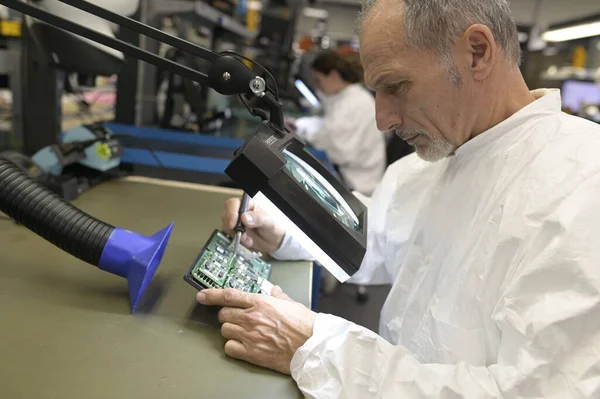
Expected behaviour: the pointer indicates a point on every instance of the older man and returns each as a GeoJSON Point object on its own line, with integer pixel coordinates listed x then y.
{"type": "Point", "coordinates": [491, 239]}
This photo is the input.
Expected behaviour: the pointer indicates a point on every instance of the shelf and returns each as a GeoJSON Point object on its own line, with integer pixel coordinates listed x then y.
{"type": "Point", "coordinates": [204, 11]}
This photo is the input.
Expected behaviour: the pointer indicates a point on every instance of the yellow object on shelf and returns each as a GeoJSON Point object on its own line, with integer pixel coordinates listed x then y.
{"type": "Point", "coordinates": [103, 151]}
{"type": "Point", "coordinates": [252, 19]}
{"type": "Point", "coordinates": [10, 28]}
{"type": "Point", "coordinates": [579, 57]}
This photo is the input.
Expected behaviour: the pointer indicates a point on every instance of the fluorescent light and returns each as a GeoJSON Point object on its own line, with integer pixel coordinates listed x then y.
{"type": "Point", "coordinates": [315, 13]}
{"type": "Point", "coordinates": [572, 32]}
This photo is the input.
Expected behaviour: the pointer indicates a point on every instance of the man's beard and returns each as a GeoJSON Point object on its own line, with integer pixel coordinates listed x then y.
{"type": "Point", "coordinates": [435, 148]}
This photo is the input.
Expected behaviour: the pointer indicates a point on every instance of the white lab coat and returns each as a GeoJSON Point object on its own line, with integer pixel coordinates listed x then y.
{"type": "Point", "coordinates": [348, 133]}
{"type": "Point", "coordinates": [494, 256]}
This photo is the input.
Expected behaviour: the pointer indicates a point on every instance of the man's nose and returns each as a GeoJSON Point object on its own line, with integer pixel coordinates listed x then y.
{"type": "Point", "coordinates": [387, 113]}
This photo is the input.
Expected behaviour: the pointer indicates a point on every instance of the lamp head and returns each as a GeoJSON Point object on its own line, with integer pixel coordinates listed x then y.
{"type": "Point", "coordinates": [316, 208]}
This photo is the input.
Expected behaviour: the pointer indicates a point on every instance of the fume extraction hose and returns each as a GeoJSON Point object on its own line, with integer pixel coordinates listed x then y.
{"type": "Point", "coordinates": [48, 215]}
{"type": "Point", "coordinates": [121, 252]}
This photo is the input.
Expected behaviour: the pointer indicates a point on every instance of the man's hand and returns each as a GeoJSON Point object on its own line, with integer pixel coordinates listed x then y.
{"type": "Point", "coordinates": [262, 233]}
{"type": "Point", "coordinates": [261, 329]}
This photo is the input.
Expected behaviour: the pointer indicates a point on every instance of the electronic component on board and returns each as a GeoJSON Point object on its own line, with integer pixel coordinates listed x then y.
{"type": "Point", "coordinates": [218, 267]}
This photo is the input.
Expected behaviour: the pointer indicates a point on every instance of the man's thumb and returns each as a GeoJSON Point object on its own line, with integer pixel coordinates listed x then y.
{"type": "Point", "coordinates": [251, 219]}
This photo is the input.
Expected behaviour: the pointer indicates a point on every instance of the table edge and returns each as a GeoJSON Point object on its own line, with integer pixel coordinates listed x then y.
{"type": "Point", "coordinates": [178, 184]}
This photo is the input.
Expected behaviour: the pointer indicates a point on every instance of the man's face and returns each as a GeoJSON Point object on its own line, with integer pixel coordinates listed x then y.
{"type": "Point", "coordinates": [416, 95]}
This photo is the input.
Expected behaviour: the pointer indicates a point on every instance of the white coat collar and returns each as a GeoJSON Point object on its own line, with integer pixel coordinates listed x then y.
{"type": "Point", "coordinates": [548, 102]}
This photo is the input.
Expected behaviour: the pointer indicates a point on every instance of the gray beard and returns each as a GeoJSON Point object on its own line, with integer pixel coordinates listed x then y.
{"type": "Point", "coordinates": [436, 148]}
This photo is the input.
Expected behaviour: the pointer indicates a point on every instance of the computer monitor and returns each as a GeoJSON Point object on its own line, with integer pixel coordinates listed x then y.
{"type": "Point", "coordinates": [576, 94]}
{"type": "Point", "coordinates": [307, 94]}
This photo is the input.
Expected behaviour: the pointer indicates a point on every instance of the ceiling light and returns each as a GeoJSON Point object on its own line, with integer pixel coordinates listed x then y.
{"type": "Point", "coordinates": [572, 32]}
{"type": "Point", "coordinates": [317, 13]}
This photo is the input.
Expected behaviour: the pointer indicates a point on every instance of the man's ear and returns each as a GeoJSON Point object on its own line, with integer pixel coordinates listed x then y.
{"type": "Point", "coordinates": [480, 48]}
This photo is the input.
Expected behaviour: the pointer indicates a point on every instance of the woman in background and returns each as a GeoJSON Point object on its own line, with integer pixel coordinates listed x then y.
{"type": "Point", "coordinates": [347, 132]}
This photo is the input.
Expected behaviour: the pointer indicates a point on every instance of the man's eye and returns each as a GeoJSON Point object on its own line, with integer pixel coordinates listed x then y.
{"type": "Point", "coordinates": [396, 87]}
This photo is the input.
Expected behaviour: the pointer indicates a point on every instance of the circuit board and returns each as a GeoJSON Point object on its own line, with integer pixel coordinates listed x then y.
{"type": "Point", "coordinates": [218, 266]}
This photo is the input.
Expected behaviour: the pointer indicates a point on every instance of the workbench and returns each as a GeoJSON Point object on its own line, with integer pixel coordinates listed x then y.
{"type": "Point", "coordinates": [189, 157]}
{"type": "Point", "coordinates": [66, 330]}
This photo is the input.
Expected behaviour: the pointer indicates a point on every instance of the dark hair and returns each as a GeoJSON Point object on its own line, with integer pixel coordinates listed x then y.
{"type": "Point", "coordinates": [348, 65]}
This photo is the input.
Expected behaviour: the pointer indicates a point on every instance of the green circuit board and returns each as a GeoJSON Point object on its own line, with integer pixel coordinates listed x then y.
{"type": "Point", "coordinates": [219, 267]}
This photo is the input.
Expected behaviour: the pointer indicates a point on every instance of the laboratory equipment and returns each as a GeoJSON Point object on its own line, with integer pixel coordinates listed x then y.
{"type": "Point", "coordinates": [118, 251]}
{"type": "Point", "coordinates": [316, 207]}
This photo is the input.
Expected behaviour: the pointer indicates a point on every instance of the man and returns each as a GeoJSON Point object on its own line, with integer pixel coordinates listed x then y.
{"type": "Point", "coordinates": [491, 240]}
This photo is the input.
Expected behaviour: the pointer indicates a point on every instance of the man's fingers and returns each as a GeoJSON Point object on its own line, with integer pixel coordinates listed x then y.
{"type": "Point", "coordinates": [231, 315]}
{"type": "Point", "coordinates": [256, 219]}
{"type": "Point", "coordinates": [247, 241]}
{"type": "Point", "coordinates": [236, 350]}
{"type": "Point", "coordinates": [229, 215]}
{"type": "Point", "coordinates": [277, 292]}
{"type": "Point", "coordinates": [232, 205]}
{"type": "Point", "coordinates": [232, 331]}
{"type": "Point", "coordinates": [225, 297]}
{"type": "Point", "coordinates": [250, 219]}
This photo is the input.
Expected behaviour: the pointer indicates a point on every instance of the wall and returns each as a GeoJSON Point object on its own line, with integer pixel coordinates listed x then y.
{"type": "Point", "coordinates": [340, 22]}
{"type": "Point", "coordinates": [553, 11]}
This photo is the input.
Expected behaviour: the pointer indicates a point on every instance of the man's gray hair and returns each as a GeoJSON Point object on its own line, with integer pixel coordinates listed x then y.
{"type": "Point", "coordinates": [436, 24]}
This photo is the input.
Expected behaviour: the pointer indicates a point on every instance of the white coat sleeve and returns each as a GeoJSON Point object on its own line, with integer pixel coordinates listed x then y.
{"type": "Point", "coordinates": [372, 270]}
{"type": "Point", "coordinates": [334, 134]}
{"type": "Point", "coordinates": [548, 316]}
{"type": "Point", "coordinates": [291, 249]}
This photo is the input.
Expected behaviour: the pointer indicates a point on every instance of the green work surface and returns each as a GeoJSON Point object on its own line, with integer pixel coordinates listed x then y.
{"type": "Point", "coordinates": [66, 331]}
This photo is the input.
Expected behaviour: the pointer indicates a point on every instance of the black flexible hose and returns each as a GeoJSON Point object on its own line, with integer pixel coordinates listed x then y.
{"type": "Point", "coordinates": [49, 216]}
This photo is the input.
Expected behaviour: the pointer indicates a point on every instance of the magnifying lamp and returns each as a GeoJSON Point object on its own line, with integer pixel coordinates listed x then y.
{"type": "Point", "coordinates": [272, 165]}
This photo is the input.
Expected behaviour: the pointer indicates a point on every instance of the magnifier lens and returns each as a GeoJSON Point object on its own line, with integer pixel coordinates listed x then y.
{"type": "Point", "coordinates": [321, 190]}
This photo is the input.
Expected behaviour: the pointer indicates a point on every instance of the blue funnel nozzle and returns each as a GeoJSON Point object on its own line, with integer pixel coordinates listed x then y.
{"type": "Point", "coordinates": [135, 257]}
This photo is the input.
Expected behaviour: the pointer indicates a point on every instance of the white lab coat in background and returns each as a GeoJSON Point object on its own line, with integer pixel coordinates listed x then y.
{"type": "Point", "coordinates": [494, 257]}
{"type": "Point", "coordinates": [348, 133]}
